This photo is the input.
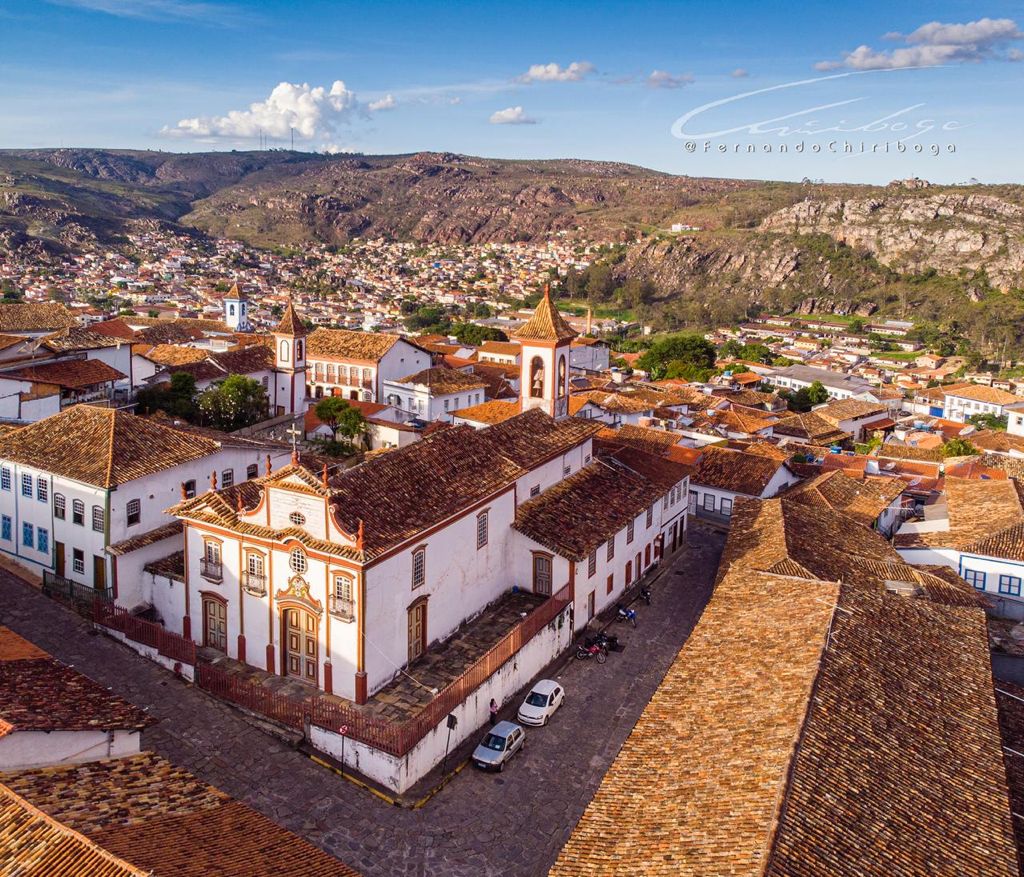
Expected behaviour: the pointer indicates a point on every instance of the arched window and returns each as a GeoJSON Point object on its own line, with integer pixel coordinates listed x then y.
{"type": "Point", "coordinates": [537, 378]}
{"type": "Point", "coordinates": [297, 560]}
{"type": "Point", "coordinates": [284, 351]}
{"type": "Point", "coordinates": [298, 350]}
{"type": "Point", "coordinates": [561, 375]}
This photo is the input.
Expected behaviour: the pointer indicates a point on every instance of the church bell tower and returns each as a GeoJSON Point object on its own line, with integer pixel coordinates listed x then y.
{"type": "Point", "coordinates": [544, 364]}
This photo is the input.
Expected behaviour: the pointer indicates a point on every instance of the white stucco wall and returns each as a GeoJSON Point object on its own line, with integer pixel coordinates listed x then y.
{"type": "Point", "coordinates": [21, 750]}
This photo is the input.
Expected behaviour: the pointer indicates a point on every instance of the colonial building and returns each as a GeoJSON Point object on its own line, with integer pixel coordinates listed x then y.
{"type": "Point", "coordinates": [435, 393]}
{"type": "Point", "coordinates": [342, 581]}
{"type": "Point", "coordinates": [356, 364]}
{"type": "Point", "coordinates": [83, 493]}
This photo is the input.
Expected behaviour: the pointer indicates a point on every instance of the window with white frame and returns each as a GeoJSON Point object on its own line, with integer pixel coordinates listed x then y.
{"type": "Point", "coordinates": [227, 478]}
{"type": "Point", "coordinates": [650, 516]}
{"type": "Point", "coordinates": [1009, 585]}
{"type": "Point", "coordinates": [78, 560]}
{"type": "Point", "coordinates": [59, 506]}
{"type": "Point", "coordinates": [592, 564]}
{"type": "Point", "coordinates": [97, 518]}
{"type": "Point", "coordinates": [611, 549]}
{"type": "Point", "coordinates": [709, 502]}
{"type": "Point", "coordinates": [5, 478]}
{"type": "Point", "coordinates": [534, 491]}
{"type": "Point", "coordinates": [42, 489]}
{"type": "Point", "coordinates": [481, 529]}
{"type": "Point", "coordinates": [419, 567]}
{"type": "Point", "coordinates": [251, 471]}
{"type": "Point", "coordinates": [629, 532]}
{"type": "Point", "coordinates": [78, 512]}
{"type": "Point", "coordinates": [726, 506]}
{"type": "Point", "coordinates": [975, 578]}
{"type": "Point", "coordinates": [133, 512]}
{"type": "Point", "coordinates": [26, 484]}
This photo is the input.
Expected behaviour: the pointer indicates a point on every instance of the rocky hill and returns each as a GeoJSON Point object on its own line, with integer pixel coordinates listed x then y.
{"type": "Point", "coordinates": [930, 252]}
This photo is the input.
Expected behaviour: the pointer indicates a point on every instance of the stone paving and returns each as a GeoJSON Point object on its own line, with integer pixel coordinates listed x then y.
{"type": "Point", "coordinates": [506, 824]}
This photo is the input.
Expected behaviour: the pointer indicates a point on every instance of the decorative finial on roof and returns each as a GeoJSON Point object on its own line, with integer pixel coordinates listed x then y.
{"type": "Point", "coordinates": [213, 480]}
{"type": "Point", "coordinates": [268, 464]}
{"type": "Point", "coordinates": [290, 323]}
{"type": "Point", "coordinates": [184, 491]}
{"type": "Point", "coordinates": [359, 536]}
{"type": "Point", "coordinates": [240, 505]}
{"type": "Point", "coordinates": [323, 475]}
{"type": "Point", "coordinates": [295, 457]}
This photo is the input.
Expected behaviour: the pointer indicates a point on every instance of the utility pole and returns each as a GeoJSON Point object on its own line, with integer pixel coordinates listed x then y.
{"type": "Point", "coordinates": [292, 130]}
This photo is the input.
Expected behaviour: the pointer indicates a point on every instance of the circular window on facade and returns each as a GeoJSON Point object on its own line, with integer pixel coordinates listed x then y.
{"type": "Point", "coordinates": [297, 518]}
{"type": "Point", "coordinates": [297, 561]}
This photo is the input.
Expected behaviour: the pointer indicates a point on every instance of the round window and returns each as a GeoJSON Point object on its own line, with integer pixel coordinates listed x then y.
{"type": "Point", "coordinates": [297, 518]}
{"type": "Point", "coordinates": [297, 561]}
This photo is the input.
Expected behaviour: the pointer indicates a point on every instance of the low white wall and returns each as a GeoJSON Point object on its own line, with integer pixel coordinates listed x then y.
{"type": "Point", "coordinates": [399, 774]}
{"type": "Point", "coordinates": [21, 750]}
{"type": "Point", "coordinates": [187, 671]}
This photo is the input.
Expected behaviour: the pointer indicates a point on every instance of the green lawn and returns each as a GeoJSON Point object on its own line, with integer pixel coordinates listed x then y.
{"type": "Point", "coordinates": [578, 308]}
{"type": "Point", "coordinates": [899, 355]}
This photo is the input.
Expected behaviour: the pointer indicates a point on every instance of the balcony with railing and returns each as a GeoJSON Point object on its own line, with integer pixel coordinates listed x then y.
{"type": "Point", "coordinates": [212, 570]}
{"type": "Point", "coordinates": [341, 608]}
{"type": "Point", "coordinates": [254, 583]}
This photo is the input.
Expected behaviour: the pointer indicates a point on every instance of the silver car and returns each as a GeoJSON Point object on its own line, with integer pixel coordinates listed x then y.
{"type": "Point", "coordinates": [503, 741]}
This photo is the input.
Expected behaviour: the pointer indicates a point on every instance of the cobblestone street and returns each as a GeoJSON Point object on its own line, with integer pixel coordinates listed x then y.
{"type": "Point", "coordinates": [508, 824]}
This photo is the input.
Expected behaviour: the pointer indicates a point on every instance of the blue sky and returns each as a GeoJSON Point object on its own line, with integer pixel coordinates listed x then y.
{"type": "Point", "coordinates": [531, 80]}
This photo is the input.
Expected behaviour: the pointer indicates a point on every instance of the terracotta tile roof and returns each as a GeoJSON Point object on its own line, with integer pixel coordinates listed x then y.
{"type": "Point", "coordinates": [34, 845]}
{"type": "Point", "coordinates": [196, 326]}
{"type": "Point", "coordinates": [78, 338]}
{"type": "Point", "coordinates": [174, 354]}
{"type": "Point", "coordinates": [491, 412]}
{"type": "Point", "coordinates": [657, 469]}
{"type": "Point", "coordinates": [172, 566]}
{"type": "Point", "coordinates": [860, 500]}
{"type": "Point", "coordinates": [346, 344]}
{"type": "Point", "coordinates": [73, 374]}
{"type": "Point", "coordinates": [735, 471]}
{"type": "Point", "coordinates": [810, 427]}
{"type": "Point", "coordinates": [654, 441]}
{"type": "Point", "coordinates": [102, 446]}
{"type": "Point", "coordinates": [116, 328]}
{"type": "Point", "coordinates": [168, 822]}
{"type": "Point", "coordinates": [981, 393]}
{"type": "Point", "coordinates": [1010, 700]}
{"type": "Point", "coordinates": [533, 437]}
{"type": "Point", "coordinates": [996, 440]}
{"type": "Point", "coordinates": [290, 323]}
{"type": "Point", "coordinates": [442, 381]}
{"type": "Point", "coordinates": [849, 409]}
{"type": "Point", "coordinates": [616, 403]}
{"type": "Point", "coordinates": [169, 332]}
{"type": "Point", "coordinates": [892, 451]}
{"type": "Point", "coordinates": [38, 693]}
{"type": "Point", "coordinates": [144, 540]}
{"type": "Point", "coordinates": [546, 324]}
{"type": "Point", "coordinates": [697, 787]}
{"type": "Point", "coordinates": [506, 348]}
{"type": "Point", "coordinates": [580, 512]}
{"type": "Point", "coordinates": [17, 317]}
{"type": "Point", "coordinates": [836, 737]}
{"type": "Point", "coordinates": [979, 513]}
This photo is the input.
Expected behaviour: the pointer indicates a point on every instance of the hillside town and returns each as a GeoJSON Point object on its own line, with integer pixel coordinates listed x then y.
{"type": "Point", "coordinates": [372, 542]}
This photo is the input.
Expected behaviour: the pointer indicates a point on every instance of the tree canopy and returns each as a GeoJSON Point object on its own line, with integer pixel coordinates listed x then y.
{"type": "Point", "coordinates": [235, 403]}
{"type": "Point", "coordinates": [340, 417]}
{"type": "Point", "coordinates": [684, 349]}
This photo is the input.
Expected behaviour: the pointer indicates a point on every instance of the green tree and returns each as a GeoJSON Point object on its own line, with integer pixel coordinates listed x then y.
{"type": "Point", "coordinates": [988, 421]}
{"type": "Point", "coordinates": [732, 349]}
{"type": "Point", "coordinates": [471, 333]}
{"type": "Point", "coordinates": [235, 403]}
{"type": "Point", "coordinates": [178, 398]}
{"type": "Point", "coordinates": [693, 350]}
{"type": "Point", "coordinates": [958, 447]}
{"type": "Point", "coordinates": [857, 325]}
{"type": "Point", "coordinates": [340, 417]}
{"type": "Point", "coordinates": [817, 394]}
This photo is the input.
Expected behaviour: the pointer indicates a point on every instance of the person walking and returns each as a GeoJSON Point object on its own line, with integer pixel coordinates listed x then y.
{"type": "Point", "coordinates": [494, 711]}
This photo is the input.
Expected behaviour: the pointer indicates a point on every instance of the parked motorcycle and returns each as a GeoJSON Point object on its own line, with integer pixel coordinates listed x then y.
{"type": "Point", "coordinates": [626, 614]}
{"type": "Point", "coordinates": [594, 650]}
{"type": "Point", "coordinates": [609, 641]}
{"type": "Point", "coordinates": [645, 592]}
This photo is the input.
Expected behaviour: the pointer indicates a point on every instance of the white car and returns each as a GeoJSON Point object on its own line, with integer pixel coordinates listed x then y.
{"type": "Point", "coordinates": [544, 698]}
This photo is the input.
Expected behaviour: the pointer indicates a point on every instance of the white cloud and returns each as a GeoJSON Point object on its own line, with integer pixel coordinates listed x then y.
{"type": "Point", "coordinates": [555, 73]}
{"type": "Point", "coordinates": [938, 43]}
{"type": "Point", "coordinates": [664, 79]}
{"type": "Point", "coordinates": [385, 103]}
{"type": "Point", "coordinates": [739, 73]}
{"type": "Point", "coordinates": [309, 112]}
{"type": "Point", "coordinates": [336, 149]}
{"type": "Point", "coordinates": [511, 116]}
